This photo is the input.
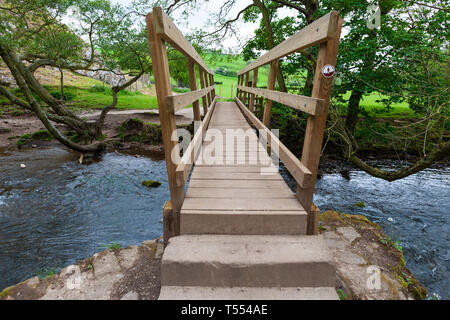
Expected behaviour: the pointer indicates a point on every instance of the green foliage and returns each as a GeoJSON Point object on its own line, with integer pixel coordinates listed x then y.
{"type": "Point", "coordinates": [291, 124]}
{"type": "Point", "coordinates": [42, 135]}
{"type": "Point", "coordinates": [107, 91]}
{"type": "Point", "coordinates": [73, 136]}
{"type": "Point", "coordinates": [225, 72]}
{"type": "Point", "coordinates": [405, 63]}
{"type": "Point", "coordinates": [178, 68]}
{"type": "Point", "coordinates": [391, 239]}
{"type": "Point", "coordinates": [180, 90]}
{"type": "Point", "coordinates": [112, 246]}
{"type": "Point", "coordinates": [68, 96]}
{"type": "Point", "coordinates": [97, 88]}
{"type": "Point", "coordinates": [47, 273]}
{"type": "Point", "coordinates": [341, 294]}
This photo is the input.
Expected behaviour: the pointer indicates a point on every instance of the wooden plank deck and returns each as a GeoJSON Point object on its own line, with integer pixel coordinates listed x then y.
{"type": "Point", "coordinates": [235, 188]}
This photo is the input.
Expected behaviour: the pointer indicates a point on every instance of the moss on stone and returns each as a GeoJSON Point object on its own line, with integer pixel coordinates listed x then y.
{"type": "Point", "coordinates": [418, 291]}
{"type": "Point", "coordinates": [331, 216]}
{"type": "Point", "coordinates": [402, 282]}
{"type": "Point", "coordinates": [6, 292]}
{"type": "Point", "coordinates": [151, 183]}
{"type": "Point", "coordinates": [402, 260]}
{"type": "Point", "coordinates": [359, 204]}
{"type": "Point", "coordinates": [42, 135]}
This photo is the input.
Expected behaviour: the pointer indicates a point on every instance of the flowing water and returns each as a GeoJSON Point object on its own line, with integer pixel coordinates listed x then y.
{"type": "Point", "coordinates": [56, 211]}
{"type": "Point", "coordinates": [418, 204]}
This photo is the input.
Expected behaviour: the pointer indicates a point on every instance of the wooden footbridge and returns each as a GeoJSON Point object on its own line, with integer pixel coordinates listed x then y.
{"type": "Point", "coordinates": [233, 228]}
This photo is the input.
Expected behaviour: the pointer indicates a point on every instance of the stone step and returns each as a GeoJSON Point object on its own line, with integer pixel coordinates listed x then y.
{"type": "Point", "coordinates": [246, 293]}
{"type": "Point", "coordinates": [243, 222]}
{"type": "Point", "coordinates": [247, 261]}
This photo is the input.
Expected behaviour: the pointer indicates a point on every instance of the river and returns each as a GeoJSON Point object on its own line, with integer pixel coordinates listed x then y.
{"type": "Point", "coordinates": [56, 211]}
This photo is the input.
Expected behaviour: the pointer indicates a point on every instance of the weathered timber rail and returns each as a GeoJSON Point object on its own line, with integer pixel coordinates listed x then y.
{"type": "Point", "coordinates": [236, 196]}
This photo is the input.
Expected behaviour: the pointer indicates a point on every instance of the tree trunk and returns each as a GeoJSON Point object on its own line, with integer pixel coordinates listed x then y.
{"type": "Point", "coordinates": [62, 84]}
{"type": "Point", "coordinates": [270, 41]}
{"type": "Point", "coordinates": [307, 89]}
{"type": "Point", "coordinates": [353, 109]}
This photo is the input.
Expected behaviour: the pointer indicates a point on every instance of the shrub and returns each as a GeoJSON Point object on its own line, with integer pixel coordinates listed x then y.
{"type": "Point", "coordinates": [68, 96]}
{"type": "Point", "coordinates": [96, 88]}
{"type": "Point", "coordinates": [225, 72]}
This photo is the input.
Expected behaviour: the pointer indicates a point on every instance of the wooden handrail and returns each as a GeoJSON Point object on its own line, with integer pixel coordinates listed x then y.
{"type": "Point", "coordinates": [319, 31]}
{"type": "Point", "coordinates": [309, 105]}
{"type": "Point", "coordinates": [190, 156]}
{"type": "Point", "coordinates": [296, 168]}
{"type": "Point", "coordinates": [179, 101]}
{"type": "Point", "coordinates": [168, 31]}
{"type": "Point", "coordinates": [325, 31]}
{"type": "Point", "coordinates": [161, 31]}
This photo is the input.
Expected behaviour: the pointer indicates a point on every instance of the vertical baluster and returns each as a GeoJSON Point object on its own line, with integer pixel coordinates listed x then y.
{"type": "Point", "coordinates": [270, 86]}
{"type": "Point", "coordinates": [252, 96]}
{"type": "Point", "coordinates": [204, 98]}
{"type": "Point", "coordinates": [193, 84]}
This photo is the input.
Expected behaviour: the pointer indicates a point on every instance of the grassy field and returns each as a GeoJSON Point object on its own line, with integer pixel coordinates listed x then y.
{"type": "Point", "coordinates": [369, 103]}
{"type": "Point", "coordinates": [85, 98]}
{"type": "Point", "coordinates": [88, 98]}
{"type": "Point", "coordinates": [229, 83]}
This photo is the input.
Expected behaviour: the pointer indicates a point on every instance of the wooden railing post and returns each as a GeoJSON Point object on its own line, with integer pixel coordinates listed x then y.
{"type": "Point", "coordinates": [207, 83]}
{"type": "Point", "coordinates": [211, 83]}
{"type": "Point", "coordinates": [247, 74]}
{"type": "Point", "coordinates": [168, 126]}
{"type": "Point", "coordinates": [237, 87]}
{"type": "Point", "coordinates": [193, 84]}
{"type": "Point", "coordinates": [252, 96]}
{"type": "Point", "coordinates": [315, 127]}
{"type": "Point", "coordinates": [241, 93]}
{"type": "Point", "coordinates": [202, 84]}
{"type": "Point", "coordinates": [270, 86]}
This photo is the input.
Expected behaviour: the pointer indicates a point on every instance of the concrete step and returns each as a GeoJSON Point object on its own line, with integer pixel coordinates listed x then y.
{"type": "Point", "coordinates": [243, 222]}
{"type": "Point", "coordinates": [247, 261]}
{"type": "Point", "coordinates": [246, 293]}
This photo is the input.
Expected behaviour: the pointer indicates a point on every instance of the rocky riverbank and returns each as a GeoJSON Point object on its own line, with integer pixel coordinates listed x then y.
{"type": "Point", "coordinates": [131, 273]}
{"type": "Point", "coordinates": [366, 268]}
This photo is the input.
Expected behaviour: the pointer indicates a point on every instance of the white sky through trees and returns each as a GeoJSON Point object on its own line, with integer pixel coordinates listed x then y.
{"type": "Point", "coordinates": [199, 20]}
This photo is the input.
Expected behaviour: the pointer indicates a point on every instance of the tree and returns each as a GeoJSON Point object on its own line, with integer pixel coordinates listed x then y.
{"type": "Point", "coordinates": [402, 59]}
{"type": "Point", "coordinates": [408, 61]}
{"type": "Point", "coordinates": [178, 68]}
{"type": "Point", "coordinates": [33, 35]}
